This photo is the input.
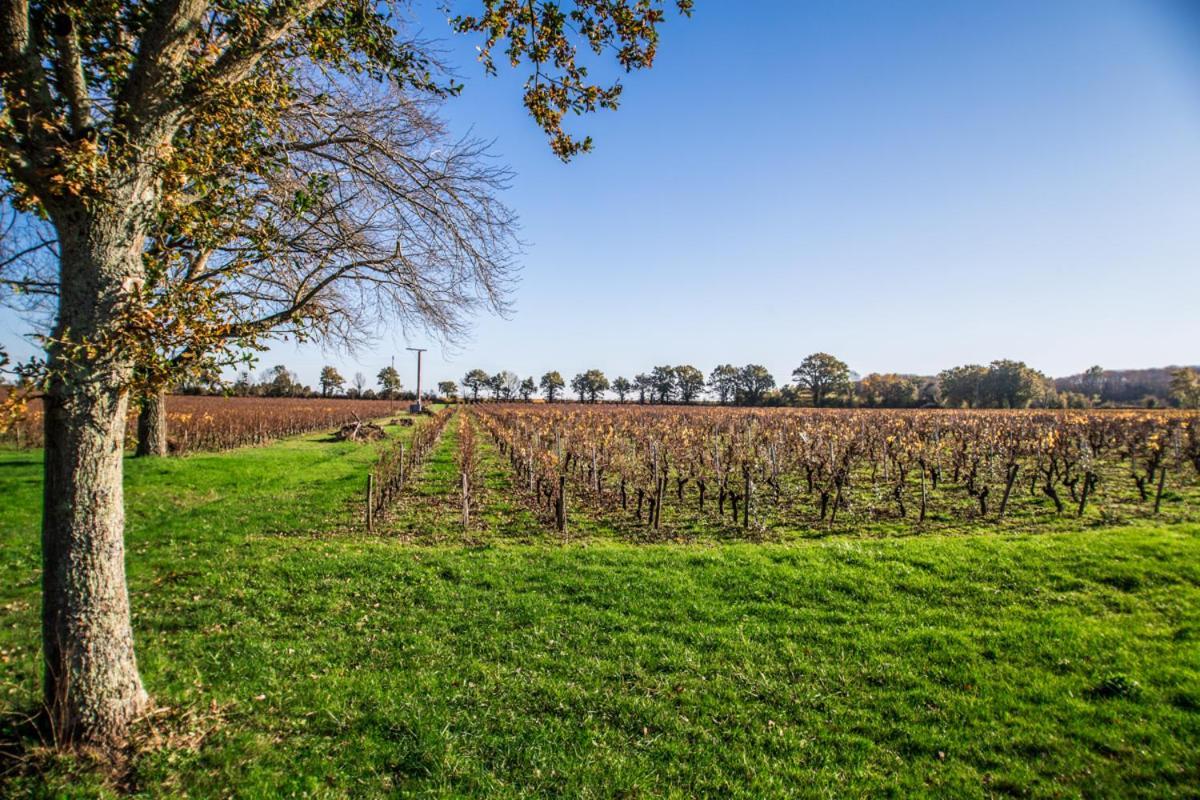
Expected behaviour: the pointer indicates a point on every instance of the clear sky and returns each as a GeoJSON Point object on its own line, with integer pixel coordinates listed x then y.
{"type": "Point", "coordinates": [908, 185]}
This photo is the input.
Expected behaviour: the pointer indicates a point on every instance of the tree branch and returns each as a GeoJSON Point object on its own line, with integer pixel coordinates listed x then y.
{"type": "Point", "coordinates": [26, 92]}
{"type": "Point", "coordinates": [68, 70]}
{"type": "Point", "coordinates": [240, 58]}
{"type": "Point", "coordinates": [20, 67]}
{"type": "Point", "coordinates": [152, 84]}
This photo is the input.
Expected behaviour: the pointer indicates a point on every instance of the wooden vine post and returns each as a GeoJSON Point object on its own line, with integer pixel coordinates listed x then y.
{"type": "Point", "coordinates": [466, 500]}
{"type": "Point", "coordinates": [370, 503]}
{"type": "Point", "coordinates": [749, 493]}
{"type": "Point", "coordinates": [560, 506]}
{"type": "Point", "coordinates": [1162, 479]}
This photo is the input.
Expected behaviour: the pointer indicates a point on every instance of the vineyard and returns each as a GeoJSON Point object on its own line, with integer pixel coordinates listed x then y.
{"type": "Point", "coordinates": [693, 469]}
{"type": "Point", "coordinates": [590, 590]}
{"type": "Point", "coordinates": [206, 423]}
{"type": "Point", "coordinates": [399, 462]}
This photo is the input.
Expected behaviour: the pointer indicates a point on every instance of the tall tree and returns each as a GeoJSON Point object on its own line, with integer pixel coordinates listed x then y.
{"type": "Point", "coordinates": [505, 384]}
{"type": "Point", "coordinates": [331, 381]}
{"type": "Point", "coordinates": [359, 383]}
{"type": "Point", "coordinates": [589, 385]}
{"type": "Point", "coordinates": [389, 382]}
{"type": "Point", "coordinates": [1012, 384]}
{"type": "Point", "coordinates": [753, 382]}
{"type": "Point", "coordinates": [448, 389]}
{"type": "Point", "coordinates": [105, 106]}
{"type": "Point", "coordinates": [723, 382]}
{"type": "Point", "coordinates": [644, 384]}
{"type": "Point", "coordinates": [962, 386]}
{"type": "Point", "coordinates": [281, 382]}
{"type": "Point", "coordinates": [622, 387]}
{"type": "Point", "coordinates": [596, 383]}
{"type": "Point", "coordinates": [475, 380]}
{"type": "Point", "coordinates": [579, 385]}
{"type": "Point", "coordinates": [689, 381]}
{"type": "Point", "coordinates": [552, 383]}
{"type": "Point", "coordinates": [822, 376]}
{"type": "Point", "coordinates": [528, 389]}
{"type": "Point", "coordinates": [662, 381]}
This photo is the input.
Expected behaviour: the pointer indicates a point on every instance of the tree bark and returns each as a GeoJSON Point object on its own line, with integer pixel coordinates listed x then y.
{"type": "Point", "coordinates": [152, 425]}
{"type": "Point", "coordinates": [92, 689]}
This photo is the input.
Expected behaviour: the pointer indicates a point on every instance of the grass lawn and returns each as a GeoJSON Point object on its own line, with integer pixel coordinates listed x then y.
{"type": "Point", "coordinates": [302, 658]}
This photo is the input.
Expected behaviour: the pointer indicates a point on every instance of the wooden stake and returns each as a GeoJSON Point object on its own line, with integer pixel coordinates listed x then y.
{"type": "Point", "coordinates": [749, 494]}
{"type": "Point", "coordinates": [921, 521]}
{"type": "Point", "coordinates": [370, 503]}
{"type": "Point", "coordinates": [1162, 479]}
{"type": "Point", "coordinates": [1008, 485]}
{"type": "Point", "coordinates": [560, 510]}
{"type": "Point", "coordinates": [466, 500]}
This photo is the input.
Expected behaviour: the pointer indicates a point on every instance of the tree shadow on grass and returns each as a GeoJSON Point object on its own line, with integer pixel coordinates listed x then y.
{"type": "Point", "coordinates": [29, 756]}
{"type": "Point", "coordinates": [27, 752]}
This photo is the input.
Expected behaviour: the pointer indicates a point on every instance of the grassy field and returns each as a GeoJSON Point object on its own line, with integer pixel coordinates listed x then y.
{"type": "Point", "coordinates": [296, 656]}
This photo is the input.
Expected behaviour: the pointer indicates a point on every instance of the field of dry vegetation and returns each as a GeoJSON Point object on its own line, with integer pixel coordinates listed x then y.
{"type": "Point", "coordinates": [209, 423]}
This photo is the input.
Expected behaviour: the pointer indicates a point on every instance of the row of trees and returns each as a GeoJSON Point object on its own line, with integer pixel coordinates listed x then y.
{"type": "Point", "coordinates": [388, 381]}
{"type": "Point", "coordinates": [279, 381]}
{"type": "Point", "coordinates": [821, 376]}
{"type": "Point", "coordinates": [821, 380]}
{"type": "Point", "coordinates": [685, 383]}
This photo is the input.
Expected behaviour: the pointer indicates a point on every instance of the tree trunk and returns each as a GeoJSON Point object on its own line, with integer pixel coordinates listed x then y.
{"type": "Point", "coordinates": [92, 689]}
{"type": "Point", "coordinates": [152, 425]}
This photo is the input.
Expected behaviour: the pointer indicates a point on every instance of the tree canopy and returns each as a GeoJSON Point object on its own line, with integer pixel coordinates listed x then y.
{"type": "Point", "coordinates": [389, 382]}
{"type": "Point", "coordinates": [551, 384]}
{"type": "Point", "coordinates": [1002, 384]}
{"type": "Point", "coordinates": [475, 380]}
{"type": "Point", "coordinates": [822, 376]}
{"type": "Point", "coordinates": [331, 380]}
{"type": "Point", "coordinates": [589, 385]}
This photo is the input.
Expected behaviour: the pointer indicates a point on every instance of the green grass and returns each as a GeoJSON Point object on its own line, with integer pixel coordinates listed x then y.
{"type": "Point", "coordinates": [302, 658]}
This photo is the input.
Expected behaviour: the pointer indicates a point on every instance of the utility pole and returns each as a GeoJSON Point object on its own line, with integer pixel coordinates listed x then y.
{"type": "Point", "coordinates": [418, 350]}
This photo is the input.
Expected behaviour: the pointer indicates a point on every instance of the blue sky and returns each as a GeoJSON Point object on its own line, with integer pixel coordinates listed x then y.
{"type": "Point", "coordinates": [908, 185]}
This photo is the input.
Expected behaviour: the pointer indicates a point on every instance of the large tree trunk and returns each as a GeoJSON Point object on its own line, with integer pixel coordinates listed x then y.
{"type": "Point", "coordinates": [92, 689]}
{"type": "Point", "coordinates": [152, 425]}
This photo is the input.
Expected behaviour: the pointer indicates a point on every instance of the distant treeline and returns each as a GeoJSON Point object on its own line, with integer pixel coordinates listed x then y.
{"type": "Point", "coordinates": [820, 380]}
